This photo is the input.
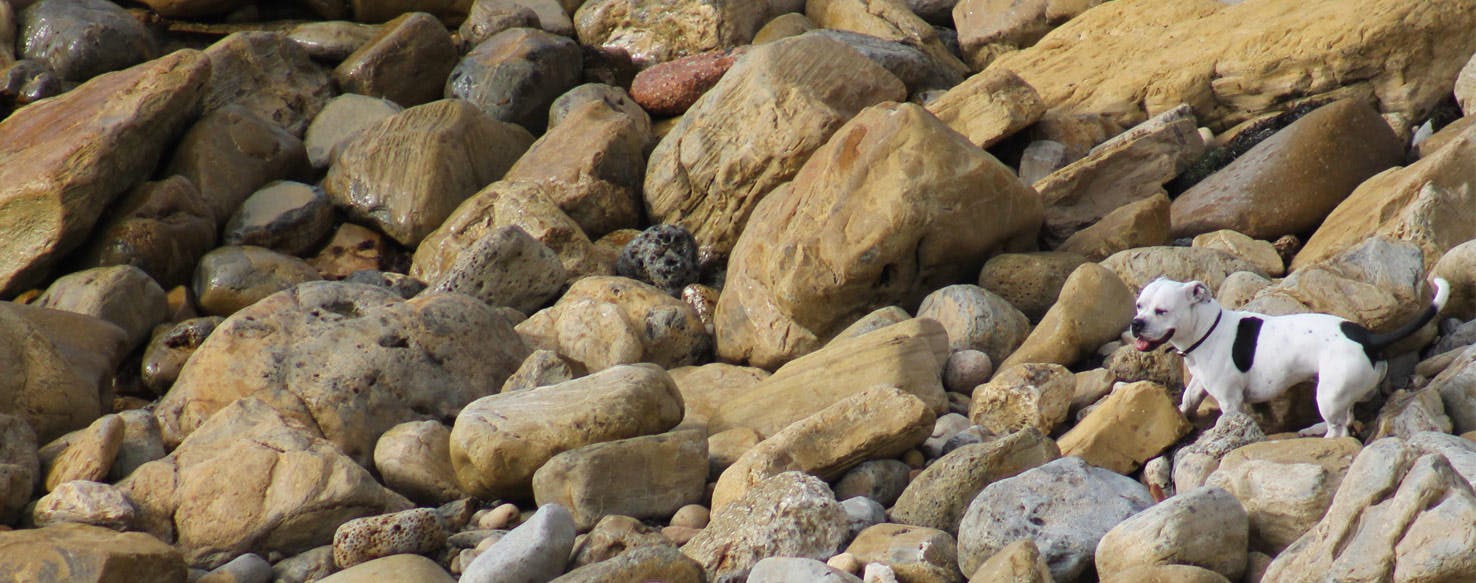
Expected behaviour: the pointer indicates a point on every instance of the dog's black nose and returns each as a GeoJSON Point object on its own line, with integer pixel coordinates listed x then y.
{"type": "Point", "coordinates": [1137, 326]}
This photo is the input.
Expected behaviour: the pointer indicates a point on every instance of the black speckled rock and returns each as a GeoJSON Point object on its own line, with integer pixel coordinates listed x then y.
{"type": "Point", "coordinates": [664, 256]}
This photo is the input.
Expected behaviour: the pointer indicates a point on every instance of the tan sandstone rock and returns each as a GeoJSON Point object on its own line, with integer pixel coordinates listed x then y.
{"type": "Point", "coordinates": [1034, 395]}
{"type": "Point", "coordinates": [1261, 253]}
{"type": "Point", "coordinates": [914, 553]}
{"type": "Point", "coordinates": [1134, 424]}
{"type": "Point", "coordinates": [989, 107]}
{"type": "Point", "coordinates": [1138, 267]}
{"type": "Point", "coordinates": [938, 497]}
{"type": "Point", "coordinates": [269, 75]}
{"type": "Point", "coordinates": [655, 31]}
{"type": "Point", "coordinates": [1204, 527]}
{"type": "Point", "coordinates": [1285, 486]}
{"type": "Point", "coordinates": [407, 62]}
{"type": "Point", "coordinates": [1458, 267]}
{"type": "Point", "coordinates": [707, 388]}
{"type": "Point", "coordinates": [1143, 223]}
{"type": "Point", "coordinates": [886, 19]}
{"type": "Point", "coordinates": [1094, 308]}
{"type": "Point", "coordinates": [60, 364]}
{"type": "Point", "coordinates": [647, 477]}
{"type": "Point", "coordinates": [605, 321]}
{"type": "Point", "coordinates": [79, 552]}
{"type": "Point", "coordinates": [1017, 562]}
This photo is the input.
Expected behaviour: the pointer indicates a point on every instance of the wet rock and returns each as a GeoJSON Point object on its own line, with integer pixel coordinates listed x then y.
{"type": "Point", "coordinates": [1203, 527]}
{"type": "Point", "coordinates": [414, 459]}
{"type": "Point", "coordinates": [88, 455]}
{"type": "Point", "coordinates": [770, 315]}
{"type": "Point", "coordinates": [1066, 506]}
{"type": "Point", "coordinates": [80, 552]}
{"type": "Point", "coordinates": [342, 119]}
{"type": "Point", "coordinates": [989, 107]}
{"type": "Point", "coordinates": [405, 63]}
{"type": "Point", "coordinates": [606, 321]}
{"type": "Point", "coordinates": [81, 39]}
{"type": "Point", "coordinates": [1093, 309]}
{"type": "Point", "coordinates": [487, 18]}
{"type": "Point", "coordinates": [662, 255]}
{"type": "Point", "coordinates": [790, 515]}
{"type": "Point", "coordinates": [230, 153]}
{"type": "Point", "coordinates": [122, 294]}
{"type": "Point", "coordinates": [269, 75]}
{"type": "Point", "coordinates": [63, 363]}
{"type": "Point", "coordinates": [417, 531]}
{"type": "Point", "coordinates": [653, 31]}
{"type": "Point", "coordinates": [940, 495]}
{"type": "Point", "coordinates": [352, 249]}
{"type": "Point", "coordinates": [1031, 282]}
{"type": "Point", "coordinates": [331, 41]}
{"type": "Point", "coordinates": [84, 502]}
{"type": "Point", "coordinates": [51, 150]}
{"type": "Point", "coordinates": [515, 75]}
{"type": "Point", "coordinates": [167, 351]}
{"type": "Point", "coordinates": [407, 173]}
{"type": "Point", "coordinates": [535, 551]}
{"type": "Point", "coordinates": [647, 477]}
{"type": "Point", "coordinates": [1285, 486]}
{"type": "Point", "coordinates": [20, 468]}
{"type": "Point", "coordinates": [506, 267]}
{"type": "Point", "coordinates": [284, 216]}
{"type": "Point", "coordinates": [229, 279]}
{"type": "Point", "coordinates": [1144, 223]}
{"type": "Point", "coordinates": [1323, 156]}
{"type": "Point", "coordinates": [592, 164]}
{"type": "Point", "coordinates": [161, 227]}
{"type": "Point", "coordinates": [880, 422]}
{"type": "Point", "coordinates": [819, 83]}
{"type": "Point", "coordinates": [194, 9]}
{"type": "Point", "coordinates": [518, 432]}
{"type": "Point", "coordinates": [613, 97]}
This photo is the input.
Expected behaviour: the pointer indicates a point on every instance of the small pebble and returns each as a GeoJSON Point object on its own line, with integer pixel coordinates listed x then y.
{"type": "Point", "coordinates": [679, 535]}
{"type": "Point", "coordinates": [691, 516]}
{"type": "Point", "coordinates": [846, 562]}
{"type": "Point", "coordinates": [502, 517]}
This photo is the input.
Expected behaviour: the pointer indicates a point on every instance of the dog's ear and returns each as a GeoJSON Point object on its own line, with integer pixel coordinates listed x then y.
{"type": "Point", "coordinates": [1199, 293]}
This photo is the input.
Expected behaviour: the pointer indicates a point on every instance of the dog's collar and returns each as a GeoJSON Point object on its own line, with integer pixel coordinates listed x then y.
{"type": "Point", "coordinates": [1186, 351]}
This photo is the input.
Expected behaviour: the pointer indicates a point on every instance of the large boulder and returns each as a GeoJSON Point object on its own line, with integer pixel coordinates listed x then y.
{"type": "Point", "coordinates": [1285, 486]}
{"type": "Point", "coordinates": [1380, 284]}
{"type": "Point", "coordinates": [647, 477]}
{"type": "Point", "coordinates": [85, 554]}
{"type": "Point", "coordinates": [655, 31]}
{"type": "Point", "coordinates": [499, 441]}
{"type": "Point", "coordinates": [60, 364]}
{"type": "Point", "coordinates": [55, 178]}
{"type": "Point", "coordinates": [359, 358]}
{"type": "Point", "coordinates": [605, 321]}
{"type": "Point", "coordinates": [989, 107]}
{"type": "Point", "coordinates": [734, 145]}
{"type": "Point", "coordinates": [887, 19]}
{"type": "Point", "coordinates": [407, 174]}
{"type": "Point", "coordinates": [788, 515]}
{"type": "Point", "coordinates": [1205, 527]}
{"type": "Point", "coordinates": [895, 205]}
{"type": "Point", "coordinates": [81, 39]}
{"type": "Point", "coordinates": [1129, 427]}
{"type": "Point", "coordinates": [939, 496]}
{"type": "Point", "coordinates": [1093, 309]}
{"type": "Point", "coordinates": [1129, 60]}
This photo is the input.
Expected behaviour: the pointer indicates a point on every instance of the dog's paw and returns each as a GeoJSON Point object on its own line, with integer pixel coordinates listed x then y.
{"type": "Point", "coordinates": [1318, 430]}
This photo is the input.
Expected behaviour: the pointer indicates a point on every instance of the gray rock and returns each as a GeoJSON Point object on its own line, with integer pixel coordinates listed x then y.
{"type": "Point", "coordinates": [269, 75]}
{"type": "Point", "coordinates": [1205, 527]}
{"type": "Point", "coordinates": [944, 429]}
{"type": "Point", "coordinates": [663, 255]}
{"type": "Point", "coordinates": [341, 119]}
{"type": "Point", "coordinates": [417, 531]}
{"type": "Point", "coordinates": [161, 227]}
{"type": "Point", "coordinates": [535, 551]}
{"type": "Point", "coordinates": [966, 369]}
{"type": "Point", "coordinates": [168, 351]}
{"type": "Point", "coordinates": [401, 285]}
{"type": "Point", "coordinates": [615, 97]}
{"type": "Point", "coordinates": [941, 494]}
{"type": "Point", "coordinates": [515, 75]}
{"type": "Point", "coordinates": [311, 565]}
{"type": "Point", "coordinates": [506, 267]}
{"type": "Point", "coordinates": [247, 568]}
{"type": "Point", "coordinates": [284, 216]}
{"type": "Point", "coordinates": [797, 570]}
{"type": "Point", "coordinates": [81, 39]}
{"type": "Point", "coordinates": [332, 41]}
{"type": "Point", "coordinates": [231, 278]}
{"type": "Point", "coordinates": [862, 513]}
{"type": "Point", "coordinates": [977, 319]}
{"type": "Point", "coordinates": [121, 294]}
{"type": "Point", "coordinates": [29, 81]}
{"type": "Point", "coordinates": [1066, 506]}
{"type": "Point", "coordinates": [879, 480]}
{"type": "Point", "coordinates": [791, 514]}
{"type": "Point", "coordinates": [142, 443]}
{"type": "Point", "coordinates": [19, 466]}
{"type": "Point", "coordinates": [85, 502]}
{"type": "Point", "coordinates": [1457, 388]}
{"type": "Point", "coordinates": [643, 477]}
{"type": "Point", "coordinates": [1194, 463]}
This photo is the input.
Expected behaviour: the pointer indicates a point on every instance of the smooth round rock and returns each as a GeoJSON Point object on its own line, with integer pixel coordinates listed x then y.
{"type": "Point", "coordinates": [342, 119]}
{"type": "Point", "coordinates": [81, 39]}
{"type": "Point", "coordinates": [965, 370]}
{"type": "Point", "coordinates": [515, 76]}
{"type": "Point", "coordinates": [167, 352]}
{"type": "Point", "coordinates": [231, 278]}
{"type": "Point", "coordinates": [284, 216]}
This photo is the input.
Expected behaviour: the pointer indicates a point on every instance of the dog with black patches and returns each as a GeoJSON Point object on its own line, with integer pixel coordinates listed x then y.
{"type": "Point", "coordinates": [1244, 357]}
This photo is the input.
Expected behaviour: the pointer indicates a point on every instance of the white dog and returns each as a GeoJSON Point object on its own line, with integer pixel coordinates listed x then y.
{"type": "Point", "coordinates": [1245, 357]}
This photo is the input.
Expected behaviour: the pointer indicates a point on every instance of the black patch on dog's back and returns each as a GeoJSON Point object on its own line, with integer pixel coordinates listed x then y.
{"type": "Point", "coordinates": [1360, 335]}
{"type": "Point", "coordinates": [1247, 333]}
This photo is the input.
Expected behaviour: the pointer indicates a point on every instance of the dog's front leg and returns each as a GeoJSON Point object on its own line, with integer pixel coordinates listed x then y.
{"type": "Point", "coordinates": [1193, 396]}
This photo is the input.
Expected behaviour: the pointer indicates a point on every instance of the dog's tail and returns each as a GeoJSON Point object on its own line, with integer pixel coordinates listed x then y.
{"type": "Point", "coordinates": [1378, 342]}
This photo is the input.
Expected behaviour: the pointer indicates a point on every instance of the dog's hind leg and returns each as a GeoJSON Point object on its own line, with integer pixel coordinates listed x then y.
{"type": "Point", "coordinates": [1337, 390]}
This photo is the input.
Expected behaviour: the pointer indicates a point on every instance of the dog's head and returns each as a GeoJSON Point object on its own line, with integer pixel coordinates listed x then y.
{"type": "Point", "coordinates": [1164, 308]}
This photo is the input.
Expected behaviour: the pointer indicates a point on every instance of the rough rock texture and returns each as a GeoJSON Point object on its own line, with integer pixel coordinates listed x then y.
{"type": "Point", "coordinates": [269, 75]}
{"type": "Point", "coordinates": [1431, 203]}
{"type": "Point", "coordinates": [341, 119]}
{"type": "Point", "coordinates": [88, 455]}
{"type": "Point", "coordinates": [1261, 253]}
{"type": "Point", "coordinates": [1034, 395]}
{"type": "Point", "coordinates": [932, 204]}
{"type": "Point", "coordinates": [19, 466]}
{"type": "Point", "coordinates": [418, 530]}
{"type": "Point", "coordinates": [1134, 59]}
{"type": "Point", "coordinates": [1093, 309]}
{"type": "Point", "coordinates": [405, 63]}
{"type": "Point", "coordinates": [1066, 506]}
{"type": "Point", "coordinates": [989, 107]}
{"type": "Point", "coordinates": [788, 515]}
{"type": "Point", "coordinates": [85, 502]}
{"type": "Point", "coordinates": [1379, 284]}
{"type": "Point", "coordinates": [499, 441]}
{"type": "Point", "coordinates": [79, 552]}
{"type": "Point", "coordinates": [1137, 267]}
{"type": "Point", "coordinates": [1194, 463]}
{"type": "Point", "coordinates": [254, 478]}
{"type": "Point", "coordinates": [655, 31]}
{"type": "Point", "coordinates": [647, 563]}
{"type": "Point", "coordinates": [938, 497]}
{"type": "Point", "coordinates": [229, 279]}
{"type": "Point", "coordinates": [648, 477]}
{"type": "Point", "coordinates": [59, 365]}
{"type": "Point", "coordinates": [886, 19]}
{"type": "Point", "coordinates": [1031, 282]}
{"type": "Point", "coordinates": [231, 152]}
{"type": "Point", "coordinates": [360, 359]}
{"type": "Point", "coordinates": [506, 267]}
{"type": "Point", "coordinates": [976, 318]}
{"type": "Point", "coordinates": [670, 88]}
{"type": "Point", "coordinates": [664, 256]}
{"type": "Point", "coordinates": [122, 294]}
{"type": "Point", "coordinates": [1137, 224]}
{"type": "Point", "coordinates": [414, 459]}
{"type": "Point", "coordinates": [536, 550]}
{"type": "Point", "coordinates": [607, 321]}
{"type": "Point", "coordinates": [990, 27]}
{"type": "Point", "coordinates": [160, 227]}
{"type": "Point", "coordinates": [407, 174]}
{"type": "Point", "coordinates": [1321, 158]}
{"type": "Point", "coordinates": [1457, 388]}
{"type": "Point", "coordinates": [1285, 486]}
{"type": "Point", "coordinates": [877, 423]}
{"type": "Point", "coordinates": [914, 553]}
{"type": "Point", "coordinates": [908, 355]}
{"type": "Point", "coordinates": [57, 176]}
{"type": "Point", "coordinates": [919, 71]}
{"type": "Point", "coordinates": [734, 146]}
{"type": "Point", "coordinates": [1400, 513]}
{"type": "Point", "coordinates": [1134, 424]}
{"type": "Point", "coordinates": [1126, 169]}
{"type": "Point", "coordinates": [516, 75]}
{"type": "Point", "coordinates": [1204, 527]}
{"type": "Point", "coordinates": [1017, 562]}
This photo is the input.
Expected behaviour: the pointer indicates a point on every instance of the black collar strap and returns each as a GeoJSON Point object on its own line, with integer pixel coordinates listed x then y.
{"type": "Point", "coordinates": [1186, 351]}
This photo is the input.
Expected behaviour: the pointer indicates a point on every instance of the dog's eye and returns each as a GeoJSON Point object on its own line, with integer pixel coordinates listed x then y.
{"type": "Point", "coordinates": [1160, 312]}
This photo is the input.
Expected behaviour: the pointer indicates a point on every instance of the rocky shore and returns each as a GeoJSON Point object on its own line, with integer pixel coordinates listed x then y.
{"type": "Point", "coordinates": [775, 291]}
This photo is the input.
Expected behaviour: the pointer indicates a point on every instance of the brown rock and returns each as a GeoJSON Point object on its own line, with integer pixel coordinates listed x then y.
{"type": "Point", "coordinates": [85, 502]}
{"type": "Point", "coordinates": [341, 119]}
{"type": "Point", "coordinates": [707, 388]}
{"type": "Point", "coordinates": [160, 227]}
{"type": "Point", "coordinates": [908, 355]}
{"type": "Point", "coordinates": [1431, 203]}
{"type": "Point", "coordinates": [81, 39]}
{"type": "Point", "coordinates": [1321, 158]}
{"type": "Point", "coordinates": [516, 75]}
{"type": "Point", "coordinates": [406, 62]}
{"type": "Point", "coordinates": [733, 133]}
{"type": "Point", "coordinates": [1285, 486]}
{"type": "Point", "coordinates": [58, 181]}
{"type": "Point", "coordinates": [331, 41]}
{"type": "Point", "coordinates": [351, 249]}
{"type": "Point", "coordinates": [1128, 168]}
{"type": "Point", "coordinates": [407, 174]}
{"type": "Point", "coordinates": [1166, 574]}
{"type": "Point", "coordinates": [611, 537]}
{"type": "Point", "coordinates": [803, 272]}
{"type": "Point", "coordinates": [269, 75]}
{"type": "Point", "coordinates": [789, 515]}
{"type": "Point", "coordinates": [60, 363]}
{"type": "Point", "coordinates": [647, 563]}
{"type": "Point", "coordinates": [668, 89]}
{"type": "Point", "coordinates": [1000, 25]}
{"type": "Point", "coordinates": [230, 153]}
{"type": "Point", "coordinates": [1094, 308]}
{"type": "Point", "coordinates": [1017, 562]}
{"type": "Point", "coordinates": [656, 31]}
{"type": "Point", "coordinates": [1458, 267]}
{"type": "Point", "coordinates": [1144, 223]}
{"type": "Point", "coordinates": [414, 459]}
{"type": "Point", "coordinates": [783, 26]}
{"type": "Point", "coordinates": [508, 268]}
{"type": "Point", "coordinates": [1137, 267]}
{"type": "Point", "coordinates": [1028, 395]}
{"type": "Point", "coordinates": [1261, 253]}
{"type": "Point", "coordinates": [193, 9]}
{"type": "Point", "coordinates": [89, 456]}
{"type": "Point", "coordinates": [1135, 423]}
{"type": "Point", "coordinates": [121, 294]}
{"type": "Point", "coordinates": [886, 19]}
{"type": "Point", "coordinates": [489, 17]}
{"type": "Point", "coordinates": [606, 321]}
{"type": "Point", "coordinates": [1029, 281]}
{"type": "Point", "coordinates": [1131, 60]}
{"type": "Point", "coordinates": [989, 107]}
{"type": "Point", "coordinates": [939, 496]}
{"type": "Point", "coordinates": [914, 553]}
{"type": "Point", "coordinates": [20, 466]}
{"type": "Point", "coordinates": [79, 552]}
{"type": "Point", "coordinates": [877, 423]}
{"type": "Point", "coordinates": [647, 477]}
{"type": "Point", "coordinates": [231, 278]}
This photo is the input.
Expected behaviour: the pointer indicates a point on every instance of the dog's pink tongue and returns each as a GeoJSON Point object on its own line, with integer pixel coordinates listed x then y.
{"type": "Point", "coordinates": [1141, 344]}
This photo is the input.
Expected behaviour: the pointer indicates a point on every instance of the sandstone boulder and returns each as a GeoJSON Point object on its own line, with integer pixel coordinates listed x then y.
{"type": "Point", "coordinates": [1204, 527]}
{"type": "Point", "coordinates": [656, 31]}
{"type": "Point", "coordinates": [607, 321]}
{"type": "Point", "coordinates": [407, 62]}
{"type": "Point", "coordinates": [939, 496]}
{"type": "Point", "coordinates": [788, 515]}
{"type": "Point", "coordinates": [1017, 562]}
{"type": "Point", "coordinates": [342, 118]}
{"type": "Point", "coordinates": [707, 388]}
{"type": "Point", "coordinates": [1134, 424]}
{"type": "Point", "coordinates": [82, 39]}
{"type": "Point", "coordinates": [648, 477]}
{"type": "Point", "coordinates": [414, 460]}
{"type": "Point", "coordinates": [1093, 309]}
{"type": "Point", "coordinates": [1144, 223]}
{"type": "Point", "coordinates": [1034, 395]}
{"type": "Point", "coordinates": [1138, 267]}
{"type": "Point", "coordinates": [989, 107]}
{"type": "Point", "coordinates": [20, 467]}
{"type": "Point", "coordinates": [1380, 284]}
{"type": "Point", "coordinates": [287, 216]}
{"type": "Point", "coordinates": [506, 267]}
{"type": "Point", "coordinates": [887, 19]}
{"type": "Point", "coordinates": [914, 553]}
{"type": "Point", "coordinates": [1285, 486]}
{"type": "Point", "coordinates": [61, 363]}
{"type": "Point", "coordinates": [121, 294]}
{"type": "Point", "coordinates": [79, 552]}
{"type": "Point", "coordinates": [1031, 282]}
{"type": "Point", "coordinates": [989, 27]}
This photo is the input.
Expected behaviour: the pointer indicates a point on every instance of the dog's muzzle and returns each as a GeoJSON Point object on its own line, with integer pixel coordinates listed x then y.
{"type": "Point", "coordinates": [1137, 326]}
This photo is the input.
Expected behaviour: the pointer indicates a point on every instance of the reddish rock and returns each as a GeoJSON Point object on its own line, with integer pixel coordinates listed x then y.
{"type": "Point", "coordinates": [670, 88]}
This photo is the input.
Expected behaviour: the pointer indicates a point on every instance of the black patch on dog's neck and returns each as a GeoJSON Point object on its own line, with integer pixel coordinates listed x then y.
{"type": "Point", "coordinates": [1247, 333]}
{"type": "Point", "coordinates": [1360, 335]}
